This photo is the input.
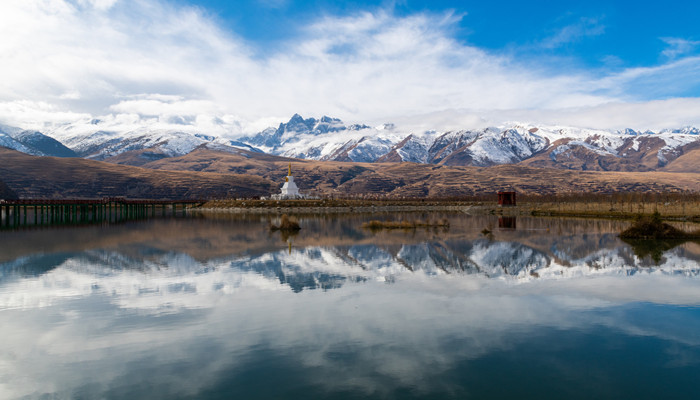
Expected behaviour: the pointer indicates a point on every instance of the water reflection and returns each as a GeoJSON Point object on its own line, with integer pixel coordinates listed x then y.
{"type": "Point", "coordinates": [325, 258]}
{"type": "Point", "coordinates": [655, 248]}
{"type": "Point", "coordinates": [211, 308]}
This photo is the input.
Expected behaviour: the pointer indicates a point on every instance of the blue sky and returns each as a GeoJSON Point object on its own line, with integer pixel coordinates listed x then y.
{"type": "Point", "coordinates": [445, 64]}
{"type": "Point", "coordinates": [590, 34]}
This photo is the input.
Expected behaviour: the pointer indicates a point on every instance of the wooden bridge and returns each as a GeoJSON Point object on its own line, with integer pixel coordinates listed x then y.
{"type": "Point", "coordinates": [42, 212]}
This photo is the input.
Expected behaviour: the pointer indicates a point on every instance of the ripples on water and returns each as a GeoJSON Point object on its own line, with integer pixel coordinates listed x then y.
{"type": "Point", "coordinates": [220, 307]}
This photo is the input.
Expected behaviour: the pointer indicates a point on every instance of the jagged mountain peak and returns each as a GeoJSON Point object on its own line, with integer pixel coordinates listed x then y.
{"type": "Point", "coordinates": [299, 125]}
{"type": "Point", "coordinates": [328, 138]}
{"type": "Point", "coordinates": [297, 120]}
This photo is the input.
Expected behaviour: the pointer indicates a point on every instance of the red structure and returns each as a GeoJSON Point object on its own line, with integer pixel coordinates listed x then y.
{"type": "Point", "coordinates": [507, 223]}
{"type": "Point", "coordinates": [506, 199]}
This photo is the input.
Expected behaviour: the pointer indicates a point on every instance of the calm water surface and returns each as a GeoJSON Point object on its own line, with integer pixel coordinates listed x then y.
{"type": "Point", "coordinates": [219, 307]}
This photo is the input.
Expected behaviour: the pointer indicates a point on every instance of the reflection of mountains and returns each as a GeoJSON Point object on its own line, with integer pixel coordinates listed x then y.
{"type": "Point", "coordinates": [329, 252]}
{"type": "Point", "coordinates": [512, 259]}
{"type": "Point", "coordinates": [332, 266]}
{"type": "Point", "coordinates": [157, 280]}
{"type": "Point", "coordinates": [329, 267]}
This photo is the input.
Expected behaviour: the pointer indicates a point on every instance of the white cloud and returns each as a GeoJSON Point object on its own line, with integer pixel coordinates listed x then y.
{"type": "Point", "coordinates": [97, 4]}
{"type": "Point", "coordinates": [150, 57]}
{"type": "Point", "coordinates": [154, 107]}
{"type": "Point", "coordinates": [70, 95]}
{"type": "Point", "coordinates": [654, 115]}
{"type": "Point", "coordinates": [36, 115]}
{"type": "Point", "coordinates": [679, 47]}
{"type": "Point", "coordinates": [584, 27]}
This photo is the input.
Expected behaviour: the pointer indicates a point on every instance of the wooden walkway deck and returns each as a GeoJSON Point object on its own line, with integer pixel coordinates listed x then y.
{"type": "Point", "coordinates": [45, 212]}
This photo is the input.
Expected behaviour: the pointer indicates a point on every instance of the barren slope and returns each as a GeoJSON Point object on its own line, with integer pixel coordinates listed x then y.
{"type": "Point", "coordinates": [50, 177]}
{"type": "Point", "coordinates": [688, 162]}
{"type": "Point", "coordinates": [6, 192]}
{"type": "Point", "coordinates": [419, 180]}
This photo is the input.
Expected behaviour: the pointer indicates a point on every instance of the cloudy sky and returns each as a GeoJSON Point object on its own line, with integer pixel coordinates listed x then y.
{"type": "Point", "coordinates": [434, 64]}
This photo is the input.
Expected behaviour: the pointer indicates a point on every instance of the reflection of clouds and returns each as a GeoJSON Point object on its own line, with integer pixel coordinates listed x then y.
{"type": "Point", "coordinates": [382, 336]}
{"type": "Point", "coordinates": [101, 322]}
{"type": "Point", "coordinates": [169, 281]}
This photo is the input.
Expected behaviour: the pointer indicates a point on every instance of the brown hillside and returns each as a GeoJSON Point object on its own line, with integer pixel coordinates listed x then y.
{"type": "Point", "coordinates": [420, 180]}
{"type": "Point", "coordinates": [578, 157]}
{"type": "Point", "coordinates": [50, 177]}
{"type": "Point", "coordinates": [137, 158]}
{"type": "Point", "coordinates": [6, 193]}
{"type": "Point", "coordinates": [688, 162]}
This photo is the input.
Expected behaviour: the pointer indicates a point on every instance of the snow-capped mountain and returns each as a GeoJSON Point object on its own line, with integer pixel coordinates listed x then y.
{"type": "Point", "coordinates": [329, 139]}
{"type": "Point", "coordinates": [32, 142]}
{"type": "Point", "coordinates": [100, 141]}
{"type": "Point", "coordinates": [323, 139]}
{"type": "Point", "coordinates": [558, 147]}
{"type": "Point", "coordinates": [109, 136]}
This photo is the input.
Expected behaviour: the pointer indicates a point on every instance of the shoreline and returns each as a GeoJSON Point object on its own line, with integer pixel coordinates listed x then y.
{"type": "Point", "coordinates": [279, 210]}
{"type": "Point", "coordinates": [676, 212]}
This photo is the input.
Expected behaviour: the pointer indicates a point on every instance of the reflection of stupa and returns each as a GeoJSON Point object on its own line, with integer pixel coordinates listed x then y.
{"type": "Point", "coordinates": [289, 189]}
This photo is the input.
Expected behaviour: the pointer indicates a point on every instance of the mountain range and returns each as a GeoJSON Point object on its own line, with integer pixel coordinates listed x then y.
{"type": "Point", "coordinates": [329, 139]}
{"type": "Point", "coordinates": [106, 158]}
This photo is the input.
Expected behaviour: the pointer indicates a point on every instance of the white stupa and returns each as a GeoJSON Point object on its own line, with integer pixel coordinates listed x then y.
{"type": "Point", "coordinates": [289, 189]}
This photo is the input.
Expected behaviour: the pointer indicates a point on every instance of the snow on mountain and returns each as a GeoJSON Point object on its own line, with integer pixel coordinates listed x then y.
{"type": "Point", "coordinates": [323, 139]}
{"type": "Point", "coordinates": [103, 144]}
{"type": "Point", "coordinates": [43, 144]}
{"type": "Point", "coordinates": [688, 130]}
{"type": "Point", "coordinates": [329, 139]}
{"type": "Point", "coordinates": [9, 142]}
{"type": "Point", "coordinates": [289, 132]}
{"type": "Point", "coordinates": [487, 147]}
{"type": "Point", "coordinates": [615, 150]}
{"type": "Point", "coordinates": [32, 142]}
{"type": "Point", "coordinates": [103, 138]}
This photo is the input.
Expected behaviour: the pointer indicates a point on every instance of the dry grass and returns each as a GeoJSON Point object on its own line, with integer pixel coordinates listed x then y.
{"type": "Point", "coordinates": [410, 180]}
{"type": "Point", "coordinates": [675, 209]}
{"type": "Point", "coordinates": [57, 178]}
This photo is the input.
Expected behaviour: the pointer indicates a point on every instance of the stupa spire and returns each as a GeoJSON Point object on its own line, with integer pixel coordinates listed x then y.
{"type": "Point", "coordinates": [289, 189]}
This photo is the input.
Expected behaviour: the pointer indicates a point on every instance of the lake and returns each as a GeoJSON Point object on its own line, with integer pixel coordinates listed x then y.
{"type": "Point", "coordinates": [217, 307]}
